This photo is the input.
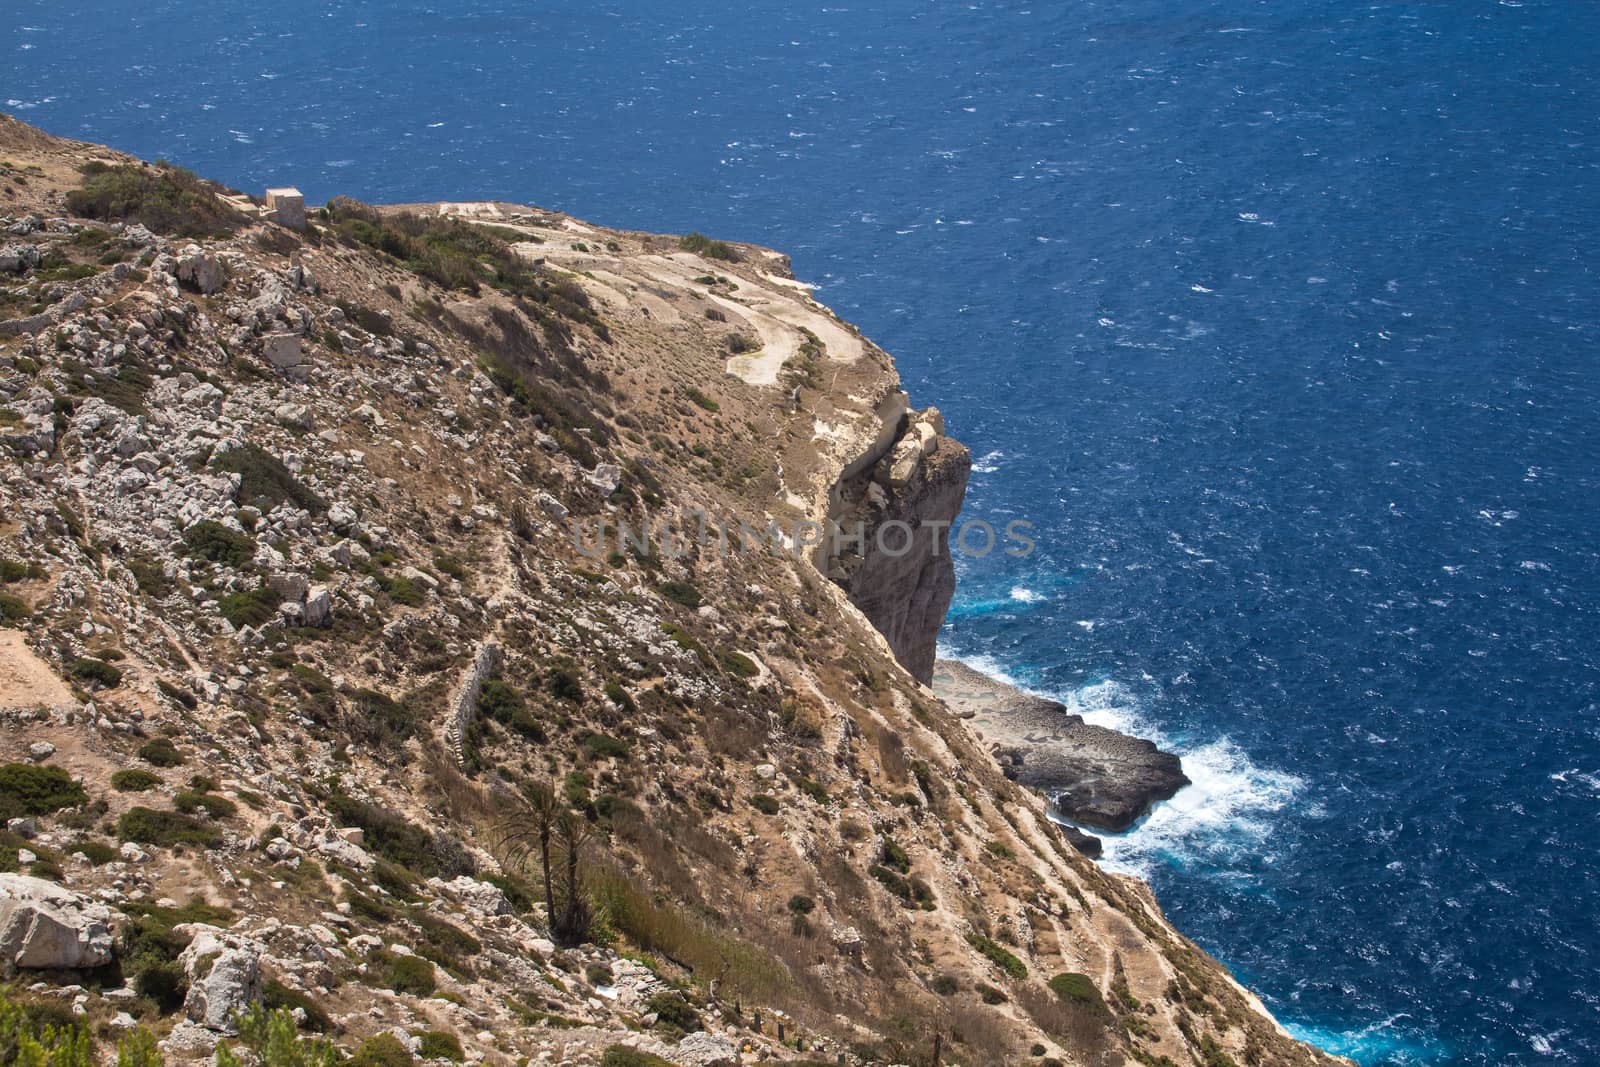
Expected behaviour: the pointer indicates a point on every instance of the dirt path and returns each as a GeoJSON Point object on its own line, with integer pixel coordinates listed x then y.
{"type": "Point", "coordinates": [26, 681]}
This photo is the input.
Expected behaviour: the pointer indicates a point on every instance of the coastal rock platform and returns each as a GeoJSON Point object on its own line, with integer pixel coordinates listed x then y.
{"type": "Point", "coordinates": [1095, 776]}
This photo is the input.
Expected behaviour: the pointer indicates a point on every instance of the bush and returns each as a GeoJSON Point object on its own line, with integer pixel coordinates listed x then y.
{"type": "Point", "coordinates": [412, 974]}
{"type": "Point", "coordinates": [14, 608]}
{"type": "Point", "coordinates": [563, 684]}
{"type": "Point", "coordinates": [1076, 988]}
{"type": "Point", "coordinates": [30, 790]}
{"type": "Point", "coordinates": [215, 542]}
{"type": "Point", "coordinates": [168, 200]}
{"type": "Point", "coordinates": [273, 1039]}
{"type": "Point", "coordinates": [739, 665]}
{"type": "Point", "coordinates": [380, 719]}
{"type": "Point", "coordinates": [765, 803]}
{"type": "Point", "coordinates": [134, 781]}
{"type": "Point", "coordinates": [604, 746]}
{"type": "Point", "coordinates": [95, 672]}
{"type": "Point", "coordinates": [438, 1045]}
{"type": "Point", "coordinates": [801, 904]}
{"type": "Point", "coordinates": [146, 826]}
{"type": "Point", "coordinates": [97, 853]}
{"type": "Point", "coordinates": [627, 1056]}
{"type": "Point", "coordinates": [673, 1010]}
{"type": "Point", "coordinates": [504, 704]}
{"type": "Point", "coordinates": [400, 841]}
{"type": "Point", "coordinates": [700, 244]}
{"type": "Point", "coordinates": [945, 985]}
{"type": "Point", "coordinates": [161, 752]}
{"type": "Point", "coordinates": [681, 593]}
{"type": "Point", "coordinates": [998, 956]}
{"type": "Point", "coordinates": [253, 607]}
{"type": "Point", "coordinates": [264, 482]}
{"type": "Point", "coordinates": [383, 1050]}
{"type": "Point", "coordinates": [276, 995]}
{"type": "Point", "coordinates": [215, 807]}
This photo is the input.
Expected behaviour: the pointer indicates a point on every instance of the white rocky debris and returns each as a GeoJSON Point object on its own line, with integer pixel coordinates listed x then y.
{"type": "Point", "coordinates": [46, 927]}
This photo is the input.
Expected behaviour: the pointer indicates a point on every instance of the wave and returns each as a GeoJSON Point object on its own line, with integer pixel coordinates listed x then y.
{"type": "Point", "coordinates": [1223, 823]}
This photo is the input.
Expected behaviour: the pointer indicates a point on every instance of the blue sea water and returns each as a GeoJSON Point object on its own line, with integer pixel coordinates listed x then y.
{"type": "Point", "coordinates": [1279, 321]}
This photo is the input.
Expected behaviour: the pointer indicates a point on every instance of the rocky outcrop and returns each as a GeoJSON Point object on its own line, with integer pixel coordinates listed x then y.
{"type": "Point", "coordinates": [1095, 776]}
{"type": "Point", "coordinates": [224, 973]}
{"type": "Point", "coordinates": [890, 526]}
{"type": "Point", "coordinates": [45, 927]}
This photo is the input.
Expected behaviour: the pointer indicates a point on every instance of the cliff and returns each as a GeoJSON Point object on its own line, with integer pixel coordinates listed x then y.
{"type": "Point", "coordinates": [420, 623]}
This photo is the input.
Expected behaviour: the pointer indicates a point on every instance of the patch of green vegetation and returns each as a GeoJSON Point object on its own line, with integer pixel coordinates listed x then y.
{"type": "Point", "coordinates": [275, 995]}
{"type": "Point", "coordinates": [999, 956]}
{"type": "Point", "coordinates": [504, 703]}
{"type": "Point", "coordinates": [628, 1056]}
{"type": "Point", "coordinates": [702, 400]}
{"type": "Point", "coordinates": [161, 752]}
{"type": "Point", "coordinates": [213, 806]}
{"type": "Point", "coordinates": [700, 244]}
{"type": "Point", "coordinates": [26, 789]}
{"type": "Point", "coordinates": [673, 1010]}
{"type": "Point", "coordinates": [146, 826]}
{"type": "Point", "coordinates": [383, 1050]}
{"type": "Point", "coordinates": [252, 607]}
{"type": "Point", "coordinates": [168, 200]}
{"type": "Point", "coordinates": [213, 541]}
{"type": "Point", "coordinates": [604, 746]}
{"type": "Point", "coordinates": [439, 1045]}
{"type": "Point", "coordinates": [135, 781]}
{"type": "Point", "coordinates": [739, 665]}
{"type": "Point", "coordinates": [1075, 987]}
{"type": "Point", "coordinates": [563, 683]}
{"type": "Point", "coordinates": [264, 482]}
{"type": "Point", "coordinates": [765, 803]}
{"type": "Point", "coordinates": [96, 672]}
{"type": "Point", "coordinates": [12, 571]}
{"type": "Point", "coordinates": [401, 841]}
{"type": "Point", "coordinates": [681, 593]}
{"type": "Point", "coordinates": [412, 974]}
{"type": "Point", "coordinates": [380, 719]}
{"type": "Point", "coordinates": [14, 608]}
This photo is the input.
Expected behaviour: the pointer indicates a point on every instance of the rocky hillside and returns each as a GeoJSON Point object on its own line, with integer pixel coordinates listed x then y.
{"type": "Point", "coordinates": [339, 674]}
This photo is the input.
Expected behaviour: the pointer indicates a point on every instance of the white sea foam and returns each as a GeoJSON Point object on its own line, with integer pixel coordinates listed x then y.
{"type": "Point", "coordinates": [1024, 595]}
{"type": "Point", "coordinates": [1227, 814]}
{"type": "Point", "coordinates": [988, 463]}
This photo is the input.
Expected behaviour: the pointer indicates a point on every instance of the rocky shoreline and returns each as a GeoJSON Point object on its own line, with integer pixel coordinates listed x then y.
{"type": "Point", "coordinates": [1094, 776]}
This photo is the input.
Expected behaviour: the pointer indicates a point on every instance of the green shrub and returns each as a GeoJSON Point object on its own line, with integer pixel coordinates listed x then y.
{"type": "Point", "coordinates": [702, 400]}
{"type": "Point", "coordinates": [765, 803]}
{"type": "Point", "coordinates": [681, 593]}
{"type": "Point", "coordinates": [438, 1045]}
{"type": "Point", "coordinates": [400, 841]}
{"type": "Point", "coordinates": [32, 790]}
{"type": "Point", "coordinates": [998, 956]}
{"type": "Point", "coordinates": [276, 995]}
{"type": "Point", "coordinates": [93, 671]}
{"type": "Point", "coordinates": [628, 1056]}
{"type": "Point", "coordinates": [213, 806]}
{"type": "Point", "coordinates": [380, 719]}
{"type": "Point", "coordinates": [383, 1050]}
{"type": "Point", "coordinates": [270, 1033]}
{"type": "Point", "coordinates": [412, 974]}
{"type": "Point", "coordinates": [505, 704]}
{"type": "Point", "coordinates": [604, 746]}
{"type": "Point", "coordinates": [213, 541]}
{"type": "Point", "coordinates": [161, 752]}
{"type": "Point", "coordinates": [146, 826]}
{"type": "Point", "coordinates": [1077, 988]}
{"type": "Point", "coordinates": [402, 590]}
{"type": "Point", "coordinates": [739, 665]}
{"type": "Point", "coordinates": [700, 244]}
{"type": "Point", "coordinates": [989, 994]}
{"type": "Point", "coordinates": [168, 200]}
{"type": "Point", "coordinates": [673, 1010]}
{"type": "Point", "coordinates": [563, 683]}
{"type": "Point", "coordinates": [253, 607]}
{"type": "Point", "coordinates": [945, 985]}
{"type": "Point", "coordinates": [264, 482]}
{"type": "Point", "coordinates": [134, 780]}
{"type": "Point", "coordinates": [14, 608]}
{"type": "Point", "coordinates": [12, 571]}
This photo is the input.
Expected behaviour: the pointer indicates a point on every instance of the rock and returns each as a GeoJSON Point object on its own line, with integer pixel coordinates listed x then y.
{"type": "Point", "coordinates": [551, 506]}
{"type": "Point", "coordinates": [23, 827]}
{"type": "Point", "coordinates": [701, 1049]}
{"type": "Point", "coordinates": [481, 898]}
{"type": "Point", "coordinates": [605, 477]}
{"type": "Point", "coordinates": [201, 271]}
{"type": "Point", "coordinates": [41, 750]}
{"type": "Point", "coordinates": [282, 350]}
{"type": "Point", "coordinates": [224, 976]}
{"type": "Point", "coordinates": [294, 416]}
{"type": "Point", "coordinates": [290, 587]}
{"type": "Point", "coordinates": [902, 464]}
{"type": "Point", "coordinates": [343, 518]}
{"type": "Point", "coordinates": [14, 259]}
{"type": "Point", "coordinates": [318, 607]}
{"type": "Point", "coordinates": [46, 927]}
{"type": "Point", "coordinates": [1088, 844]}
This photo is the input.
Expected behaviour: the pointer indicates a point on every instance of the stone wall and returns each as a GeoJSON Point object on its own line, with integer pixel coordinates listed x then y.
{"type": "Point", "coordinates": [464, 700]}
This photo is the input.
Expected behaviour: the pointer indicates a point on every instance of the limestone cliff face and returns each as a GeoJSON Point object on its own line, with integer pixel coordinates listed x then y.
{"type": "Point", "coordinates": [891, 522]}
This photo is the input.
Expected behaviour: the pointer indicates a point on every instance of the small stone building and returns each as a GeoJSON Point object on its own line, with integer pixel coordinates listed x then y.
{"type": "Point", "coordinates": [287, 207]}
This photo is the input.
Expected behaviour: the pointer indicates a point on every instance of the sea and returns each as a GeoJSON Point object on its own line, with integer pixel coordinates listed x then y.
{"type": "Point", "coordinates": [1280, 322]}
